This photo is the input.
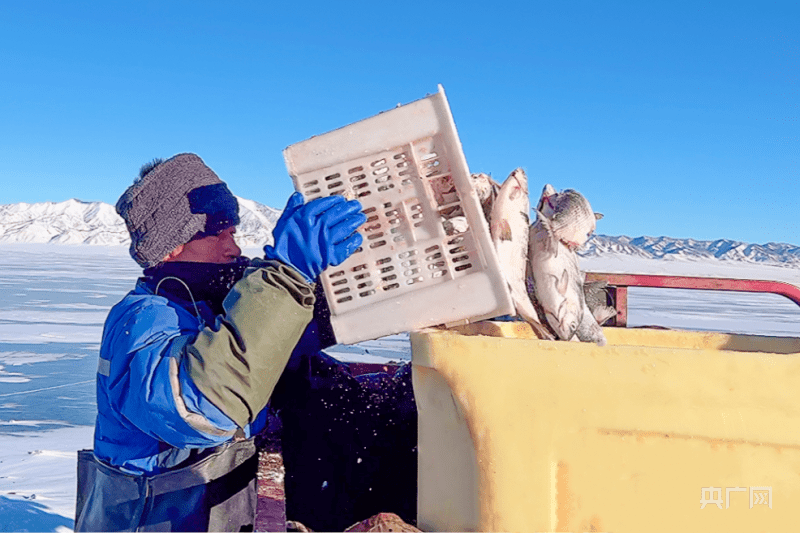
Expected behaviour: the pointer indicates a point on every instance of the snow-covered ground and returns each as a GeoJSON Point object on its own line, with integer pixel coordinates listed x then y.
{"type": "Point", "coordinates": [54, 299]}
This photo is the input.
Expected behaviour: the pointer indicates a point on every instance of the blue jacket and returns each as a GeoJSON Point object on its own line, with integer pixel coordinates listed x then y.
{"type": "Point", "coordinates": [152, 416]}
{"type": "Point", "coordinates": [141, 426]}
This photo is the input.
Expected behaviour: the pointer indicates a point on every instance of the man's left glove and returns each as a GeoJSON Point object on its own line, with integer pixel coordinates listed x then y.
{"type": "Point", "coordinates": [312, 236]}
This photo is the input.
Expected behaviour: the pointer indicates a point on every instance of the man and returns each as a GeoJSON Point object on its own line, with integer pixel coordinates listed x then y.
{"type": "Point", "coordinates": [190, 358]}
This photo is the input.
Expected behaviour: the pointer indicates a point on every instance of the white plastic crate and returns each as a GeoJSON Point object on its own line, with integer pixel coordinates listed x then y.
{"type": "Point", "coordinates": [427, 256]}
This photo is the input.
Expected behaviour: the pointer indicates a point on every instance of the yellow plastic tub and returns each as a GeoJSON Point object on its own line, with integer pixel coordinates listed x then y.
{"type": "Point", "coordinates": [657, 431]}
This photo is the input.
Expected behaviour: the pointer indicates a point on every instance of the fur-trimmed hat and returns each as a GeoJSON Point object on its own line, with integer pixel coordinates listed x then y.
{"type": "Point", "coordinates": [173, 202]}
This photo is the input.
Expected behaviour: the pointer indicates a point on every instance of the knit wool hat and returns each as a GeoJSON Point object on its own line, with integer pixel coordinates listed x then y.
{"type": "Point", "coordinates": [176, 201]}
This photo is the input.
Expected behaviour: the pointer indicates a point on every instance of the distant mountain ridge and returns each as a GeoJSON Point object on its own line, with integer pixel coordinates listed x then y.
{"type": "Point", "coordinates": [668, 248]}
{"type": "Point", "coordinates": [77, 222]}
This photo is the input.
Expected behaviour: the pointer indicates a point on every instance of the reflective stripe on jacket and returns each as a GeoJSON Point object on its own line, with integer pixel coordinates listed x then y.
{"type": "Point", "coordinates": [170, 383]}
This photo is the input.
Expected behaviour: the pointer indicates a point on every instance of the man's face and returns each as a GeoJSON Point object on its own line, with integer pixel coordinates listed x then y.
{"type": "Point", "coordinates": [220, 248]}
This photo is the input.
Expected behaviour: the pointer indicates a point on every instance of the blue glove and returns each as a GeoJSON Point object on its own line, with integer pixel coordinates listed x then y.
{"type": "Point", "coordinates": [310, 237]}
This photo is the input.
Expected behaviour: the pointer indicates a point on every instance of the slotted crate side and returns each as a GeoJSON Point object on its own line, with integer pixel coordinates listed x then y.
{"type": "Point", "coordinates": [437, 304]}
{"type": "Point", "coordinates": [408, 236]}
{"type": "Point", "coordinates": [418, 120]}
{"type": "Point", "coordinates": [425, 239]}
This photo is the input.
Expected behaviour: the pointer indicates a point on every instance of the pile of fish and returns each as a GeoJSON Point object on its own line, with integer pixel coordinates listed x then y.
{"type": "Point", "coordinates": [539, 260]}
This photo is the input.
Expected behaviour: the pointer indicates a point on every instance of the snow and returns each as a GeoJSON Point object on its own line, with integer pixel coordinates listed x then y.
{"type": "Point", "coordinates": [37, 478]}
{"type": "Point", "coordinates": [53, 301]}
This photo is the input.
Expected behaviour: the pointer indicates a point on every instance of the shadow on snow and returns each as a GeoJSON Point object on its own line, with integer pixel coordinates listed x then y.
{"type": "Point", "coordinates": [28, 515]}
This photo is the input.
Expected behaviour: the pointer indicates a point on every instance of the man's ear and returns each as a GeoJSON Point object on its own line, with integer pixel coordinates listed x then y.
{"type": "Point", "coordinates": [173, 254]}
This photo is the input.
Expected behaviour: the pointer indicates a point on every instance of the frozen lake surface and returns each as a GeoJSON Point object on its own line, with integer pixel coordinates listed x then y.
{"type": "Point", "coordinates": [54, 300]}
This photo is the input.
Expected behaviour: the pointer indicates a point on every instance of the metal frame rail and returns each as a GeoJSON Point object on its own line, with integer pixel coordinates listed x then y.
{"type": "Point", "coordinates": [618, 288]}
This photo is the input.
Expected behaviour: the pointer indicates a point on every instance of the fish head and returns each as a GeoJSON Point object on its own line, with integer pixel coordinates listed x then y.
{"type": "Point", "coordinates": [570, 327]}
{"type": "Point", "coordinates": [487, 190]}
{"type": "Point", "coordinates": [511, 206]}
{"type": "Point", "coordinates": [564, 327]}
{"type": "Point", "coordinates": [521, 179]}
{"type": "Point", "coordinates": [514, 189]}
{"type": "Point", "coordinates": [547, 200]}
{"type": "Point", "coordinates": [574, 221]}
{"type": "Point", "coordinates": [484, 186]}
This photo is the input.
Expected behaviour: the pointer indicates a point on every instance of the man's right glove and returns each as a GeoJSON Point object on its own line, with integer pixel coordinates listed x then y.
{"type": "Point", "coordinates": [309, 237]}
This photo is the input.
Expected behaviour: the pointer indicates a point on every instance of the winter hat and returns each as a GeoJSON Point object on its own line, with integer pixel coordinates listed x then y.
{"type": "Point", "coordinates": [172, 203]}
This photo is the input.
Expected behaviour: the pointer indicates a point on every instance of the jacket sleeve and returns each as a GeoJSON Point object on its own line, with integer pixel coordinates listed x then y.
{"type": "Point", "coordinates": [318, 335]}
{"type": "Point", "coordinates": [236, 363]}
{"type": "Point", "coordinates": [198, 389]}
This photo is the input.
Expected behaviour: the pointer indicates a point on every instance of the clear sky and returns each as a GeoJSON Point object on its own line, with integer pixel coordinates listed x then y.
{"type": "Point", "coordinates": [673, 118]}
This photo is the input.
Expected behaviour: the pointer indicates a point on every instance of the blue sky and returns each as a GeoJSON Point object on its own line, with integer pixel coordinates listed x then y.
{"type": "Point", "coordinates": [673, 118]}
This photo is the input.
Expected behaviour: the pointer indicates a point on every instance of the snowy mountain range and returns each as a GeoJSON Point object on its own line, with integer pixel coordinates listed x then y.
{"type": "Point", "coordinates": [668, 248]}
{"type": "Point", "coordinates": [77, 222]}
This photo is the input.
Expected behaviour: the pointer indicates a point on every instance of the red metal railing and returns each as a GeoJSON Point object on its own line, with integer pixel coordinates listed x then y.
{"type": "Point", "coordinates": [618, 287]}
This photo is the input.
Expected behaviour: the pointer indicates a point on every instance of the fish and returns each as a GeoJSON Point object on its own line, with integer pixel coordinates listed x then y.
{"type": "Point", "coordinates": [572, 219]}
{"type": "Point", "coordinates": [589, 329]}
{"type": "Point", "coordinates": [445, 194]}
{"type": "Point", "coordinates": [556, 279]}
{"type": "Point", "coordinates": [597, 301]}
{"type": "Point", "coordinates": [455, 225]}
{"type": "Point", "coordinates": [487, 190]}
{"type": "Point", "coordinates": [509, 228]}
{"type": "Point", "coordinates": [557, 284]}
{"type": "Point", "coordinates": [565, 221]}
